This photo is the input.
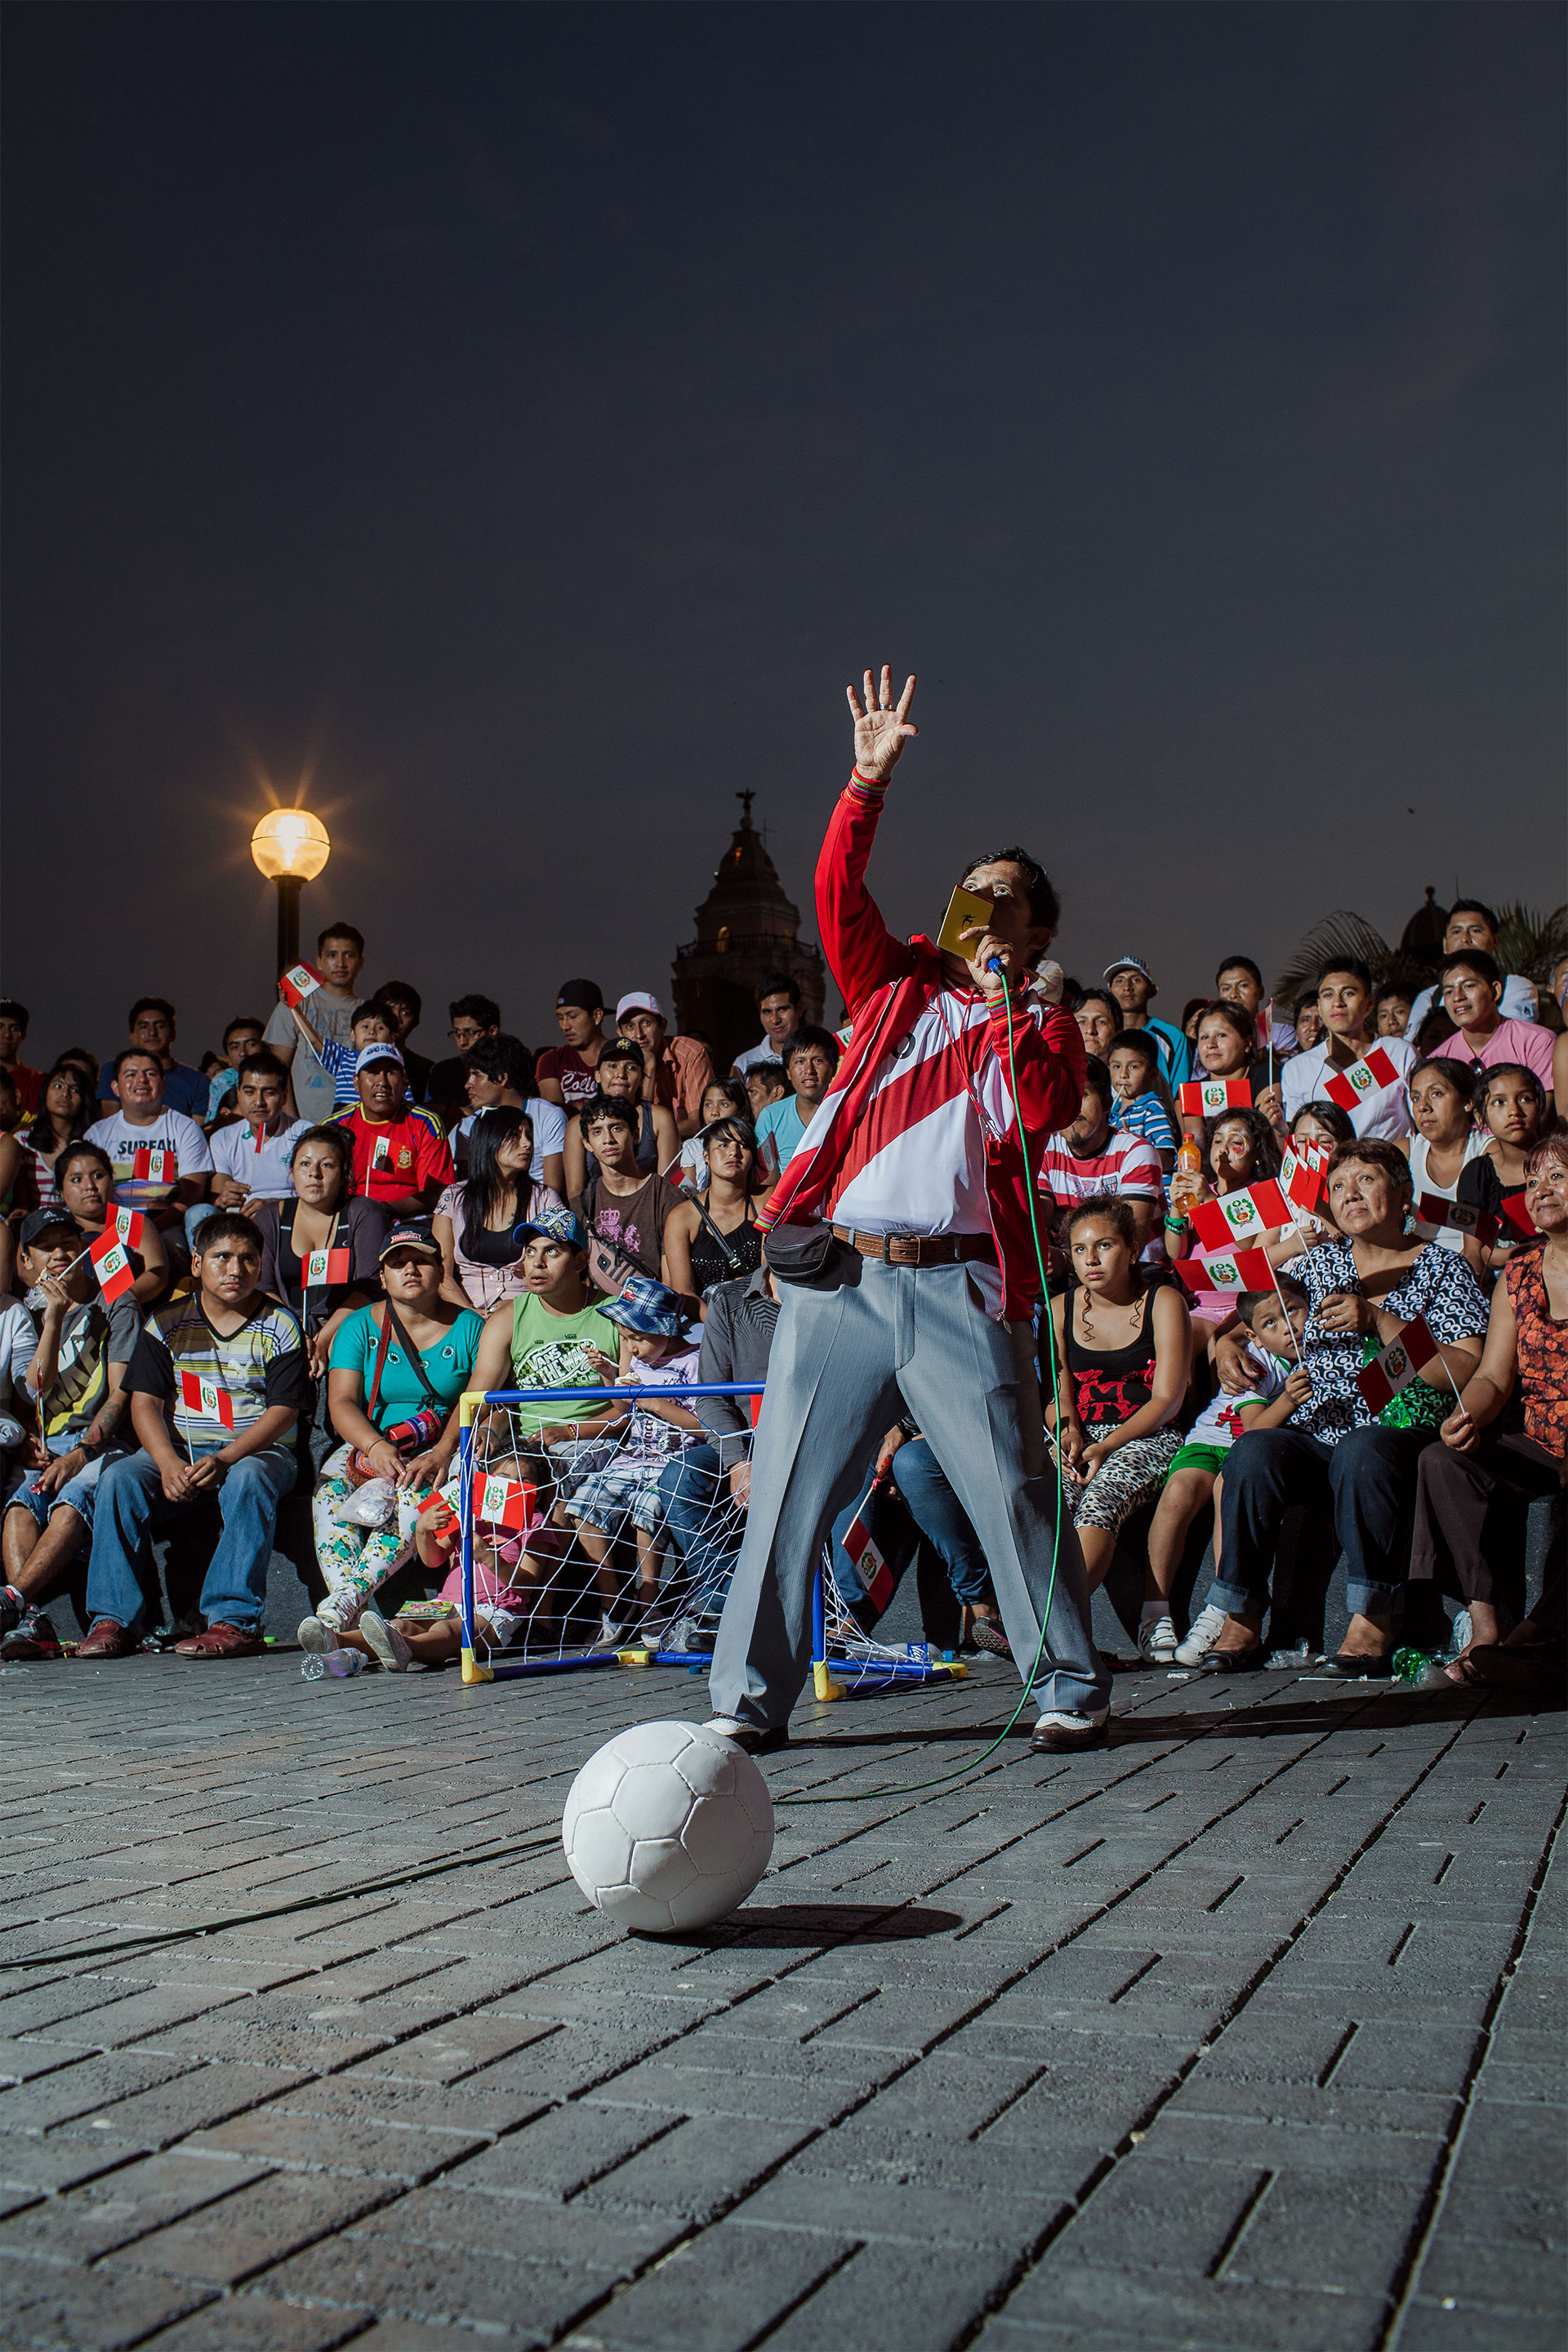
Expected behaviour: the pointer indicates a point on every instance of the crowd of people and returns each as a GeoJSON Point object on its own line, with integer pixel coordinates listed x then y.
{"type": "Point", "coordinates": [1311, 1256]}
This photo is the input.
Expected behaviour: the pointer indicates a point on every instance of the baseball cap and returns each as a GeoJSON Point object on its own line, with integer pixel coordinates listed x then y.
{"type": "Point", "coordinates": [555, 1226]}
{"type": "Point", "coordinates": [586, 995]}
{"type": "Point", "coordinates": [639, 1001]}
{"type": "Point", "coordinates": [1128, 963]}
{"type": "Point", "coordinates": [42, 1221]}
{"type": "Point", "coordinates": [368, 1055]}
{"type": "Point", "coordinates": [648, 1308]}
{"type": "Point", "coordinates": [409, 1236]}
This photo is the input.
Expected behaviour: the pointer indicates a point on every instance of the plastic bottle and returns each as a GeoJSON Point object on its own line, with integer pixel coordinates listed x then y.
{"type": "Point", "coordinates": [1409, 1665]}
{"type": "Point", "coordinates": [337, 1664]}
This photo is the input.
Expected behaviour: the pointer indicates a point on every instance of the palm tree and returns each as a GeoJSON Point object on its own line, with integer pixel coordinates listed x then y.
{"type": "Point", "coordinates": [1346, 933]}
{"type": "Point", "coordinates": [1531, 943]}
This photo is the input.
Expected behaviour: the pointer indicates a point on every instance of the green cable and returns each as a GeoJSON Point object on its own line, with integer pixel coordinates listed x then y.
{"type": "Point", "coordinates": [960, 1771]}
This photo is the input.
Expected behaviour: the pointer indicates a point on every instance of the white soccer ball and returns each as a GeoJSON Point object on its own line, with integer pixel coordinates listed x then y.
{"type": "Point", "coordinates": [668, 1826]}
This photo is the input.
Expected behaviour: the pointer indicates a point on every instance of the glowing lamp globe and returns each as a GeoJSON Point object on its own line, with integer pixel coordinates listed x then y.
{"type": "Point", "coordinates": [669, 1827]}
{"type": "Point", "coordinates": [290, 843]}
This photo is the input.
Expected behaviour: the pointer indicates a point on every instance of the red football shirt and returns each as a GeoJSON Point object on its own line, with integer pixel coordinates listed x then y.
{"type": "Point", "coordinates": [394, 1157]}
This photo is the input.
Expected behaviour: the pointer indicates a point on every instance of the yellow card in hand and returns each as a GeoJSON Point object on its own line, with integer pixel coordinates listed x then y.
{"type": "Point", "coordinates": [962, 909]}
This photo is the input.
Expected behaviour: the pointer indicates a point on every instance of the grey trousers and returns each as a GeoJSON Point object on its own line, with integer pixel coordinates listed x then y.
{"type": "Point", "coordinates": [845, 1364]}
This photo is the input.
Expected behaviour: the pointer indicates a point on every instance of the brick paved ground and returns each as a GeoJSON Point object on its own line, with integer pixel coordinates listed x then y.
{"type": "Point", "coordinates": [1244, 2032]}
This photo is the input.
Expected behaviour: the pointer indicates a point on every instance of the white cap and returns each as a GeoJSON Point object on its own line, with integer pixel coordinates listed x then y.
{"type": "Point", "coordinates": [639, 1001]}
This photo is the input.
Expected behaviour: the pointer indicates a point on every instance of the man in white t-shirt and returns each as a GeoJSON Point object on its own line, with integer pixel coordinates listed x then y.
{"type": "Point", "coordinates": [252, 1155]}
{"type": "Point", "coordinates": [1345, 1007]}
{"type": "Point", "coordinates": [496, 1073]}
{"type": "Point", "coordinates": [144, 1123]}
{"type": "Point", "coordinates": [1471, 925]}
{"type": "Point", "coordinates": [778, 1006]}
{"type": "Point", "coordinates": [1091, 1156]}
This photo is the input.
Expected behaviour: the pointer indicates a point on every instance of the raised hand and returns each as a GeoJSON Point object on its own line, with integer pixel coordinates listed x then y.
{"type": "Point", "coordinates": [883, 726]}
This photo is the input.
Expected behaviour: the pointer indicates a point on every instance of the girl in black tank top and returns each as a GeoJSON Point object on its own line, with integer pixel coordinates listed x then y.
{"type": "Point", "coordinates": [1111, 1382]}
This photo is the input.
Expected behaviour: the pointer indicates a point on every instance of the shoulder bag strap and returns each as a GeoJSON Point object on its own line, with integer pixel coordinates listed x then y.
{"type": "Point", "coordinates": [390, 1324]}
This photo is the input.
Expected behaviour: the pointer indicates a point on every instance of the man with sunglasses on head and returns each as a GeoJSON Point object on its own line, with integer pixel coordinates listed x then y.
{"type": "Point", "coordinates": [901, 1235]}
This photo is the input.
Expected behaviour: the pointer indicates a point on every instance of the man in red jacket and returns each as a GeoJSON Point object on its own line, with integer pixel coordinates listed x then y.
{"type": "Point", "coordinates": [902, 1236]}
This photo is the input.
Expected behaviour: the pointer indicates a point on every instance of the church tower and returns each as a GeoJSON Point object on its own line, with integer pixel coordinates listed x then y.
{"type": "Point", "coordinates": [746, 928]}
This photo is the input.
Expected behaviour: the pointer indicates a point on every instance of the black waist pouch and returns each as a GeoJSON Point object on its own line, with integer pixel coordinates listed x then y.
{"type": "Point", "coordinates": [812, 1257]}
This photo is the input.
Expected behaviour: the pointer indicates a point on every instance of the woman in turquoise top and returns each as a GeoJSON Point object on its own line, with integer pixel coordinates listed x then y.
{"type": "Point", "coordinates": [393, 1397]}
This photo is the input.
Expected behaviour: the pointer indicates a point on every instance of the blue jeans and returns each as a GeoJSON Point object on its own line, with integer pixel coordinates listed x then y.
{"type": "Point", "coordinates": [1369, 1478]}
{"type": "Point", "coordinates": [77, 1494]}
{"type": "Point", "coordinates": [941, 1519]}
{"type": "Point", "coordinates": [130, 1501]}
{"type": "Point", "coordinates": [703, 1524]}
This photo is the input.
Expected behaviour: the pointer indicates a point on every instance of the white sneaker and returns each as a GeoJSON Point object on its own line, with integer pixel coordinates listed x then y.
{"type": "Point", "coordinates": [1157, 1641]}
{"type": "Point", "coordinates": [611, 1635]}
{"type": "Point", "coordinates": [391, 1649]}
{"type": "Point", "coordinates": [315, 1633]}
{"type": "Point", "coordinates": [1207, 1628]}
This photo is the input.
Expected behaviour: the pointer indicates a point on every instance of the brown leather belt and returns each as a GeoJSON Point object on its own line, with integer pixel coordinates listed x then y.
{"type": "Point", "coordinates": [922, 1249]}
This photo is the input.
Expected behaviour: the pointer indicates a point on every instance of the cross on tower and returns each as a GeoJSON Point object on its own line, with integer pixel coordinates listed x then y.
{"type": "Point", "coordinates": [746, 800]}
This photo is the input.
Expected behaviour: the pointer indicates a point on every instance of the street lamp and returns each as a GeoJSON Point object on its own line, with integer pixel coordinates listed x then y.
{"type": "Point", "coordinates": [290, 847]}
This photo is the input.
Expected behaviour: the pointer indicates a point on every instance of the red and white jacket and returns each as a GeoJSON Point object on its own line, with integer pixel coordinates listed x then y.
{"type": "Point", "coordinates": [958, 1075]}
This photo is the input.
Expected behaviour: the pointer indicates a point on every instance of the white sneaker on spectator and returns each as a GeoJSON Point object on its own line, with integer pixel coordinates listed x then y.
{"type": "Point", "coordinates": [1157, 1641]}
{"type": "Point", "coordinates": [1207, 1627]}
{"type": "Point", "coordinates": [391, 1649]}
{"type": "Point", "coordinates": [315, 1633]}
{"type": "Point", "coordinates": [611, 1635]}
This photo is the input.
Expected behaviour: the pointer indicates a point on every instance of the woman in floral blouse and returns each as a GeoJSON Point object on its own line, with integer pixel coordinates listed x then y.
{"type": "Point", "coordinates": [1366, 1287]}
{"type": "Point", "coordinates": [1506, 1441]}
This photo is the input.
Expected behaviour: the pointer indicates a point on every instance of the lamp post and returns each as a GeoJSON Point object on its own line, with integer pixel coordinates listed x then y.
{"type": "Point", "coordinates": [290, 847]}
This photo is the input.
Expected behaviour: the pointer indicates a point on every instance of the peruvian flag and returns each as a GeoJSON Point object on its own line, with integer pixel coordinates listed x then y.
{"type": "Point", "coordinates": [323, 1268]}
{"type": "Point", "coordinates": [1248, 1270]}
{"type": "Point", "coordinates": [755, 1405]}
{"type": "Point", "coordinates": [1434, 1211]}
{"type": "Point", "coordinates": [1300, 1179]}
{"type": "Point", "coordinates": [1350, 1088]}
{"type": "Point", "coordinates": [1241, 1216]}
{"type": "Point", "coordinates": [877, 1581]}
{"type": "Point", "coordinates": [439, 1517]}
{"type": "Point", "coordinates": [1380, 1380]}
{"type": "Point", "coordinates": [153, 1165]}
{"type": "Point", "coordinates": [1516, 1215]}
{"type": "Point", "coordinates": [206, 1397]}
{"type": "Point", "coordinates": [502, 1503]}
{"type": "Point", "coordinates": [113, 1266]}
{"type": "Point", "coordinates": [128, 1224]}
{"type": "Point", "coordinates": [300, 980]}
{"type": "Point", "coordinates": [381, 1152]}
{"type": "Point", "coordinates": [1206, 1098]}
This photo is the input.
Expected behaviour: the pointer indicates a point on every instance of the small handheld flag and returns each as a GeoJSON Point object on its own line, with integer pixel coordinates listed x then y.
{"type": "Point", "coordinates": [151, 1165]}
{"type": "Point", "coordinates": [1206, 1098]}
{"type": "Point", "coordinates": [502, 1503]}
{"type": "Point", "coordinates": [1401, 1362]}
{"type": "Point", "coordinates": [438, 1517]}
{"type": "Point", "coordinates": [1432, 1210]}
{"type": "Point", "coordinates": [206, 1398]}
{"type": "Point", "coordinates": [325, 1267]}
{"type": "Point", "coordinates": [1248, 1270]}
{"type": "Point", "coordinates": [1516, 1215]}
{"type": "Point", "coordinates": [869, 1562]}
{"type": "Point", "coordinates": [1240, 1216]}
{"type": "Point", "coordinates": [113, 1266]}
{"type": "Point", "coordinates": [1300, 1179]}
{"type": "Point", "coordinates": [300, 980]}
{"type": "Point", "coordinates": [128, 1224]}
{"type": "Point", "coordinates": [1350, 1088]}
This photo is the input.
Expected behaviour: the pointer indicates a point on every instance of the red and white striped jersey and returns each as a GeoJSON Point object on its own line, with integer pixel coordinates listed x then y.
{"type": "Point", "coordinates": [916, 1162]}
{"type": "Point", "coordinates": [1125, 1164]}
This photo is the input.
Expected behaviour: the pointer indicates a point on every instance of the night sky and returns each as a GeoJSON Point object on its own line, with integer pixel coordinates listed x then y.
{"type": "Point", "coordinates": [522, 421]}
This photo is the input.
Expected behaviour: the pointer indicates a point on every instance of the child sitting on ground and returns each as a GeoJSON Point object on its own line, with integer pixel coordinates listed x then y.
{"type": "Point", "coordinates": [656, 1352]}
{"type": "Point", "coordinates": [513, 1568]}
{"type": "Point", "coordinates": [1193, 1478]}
